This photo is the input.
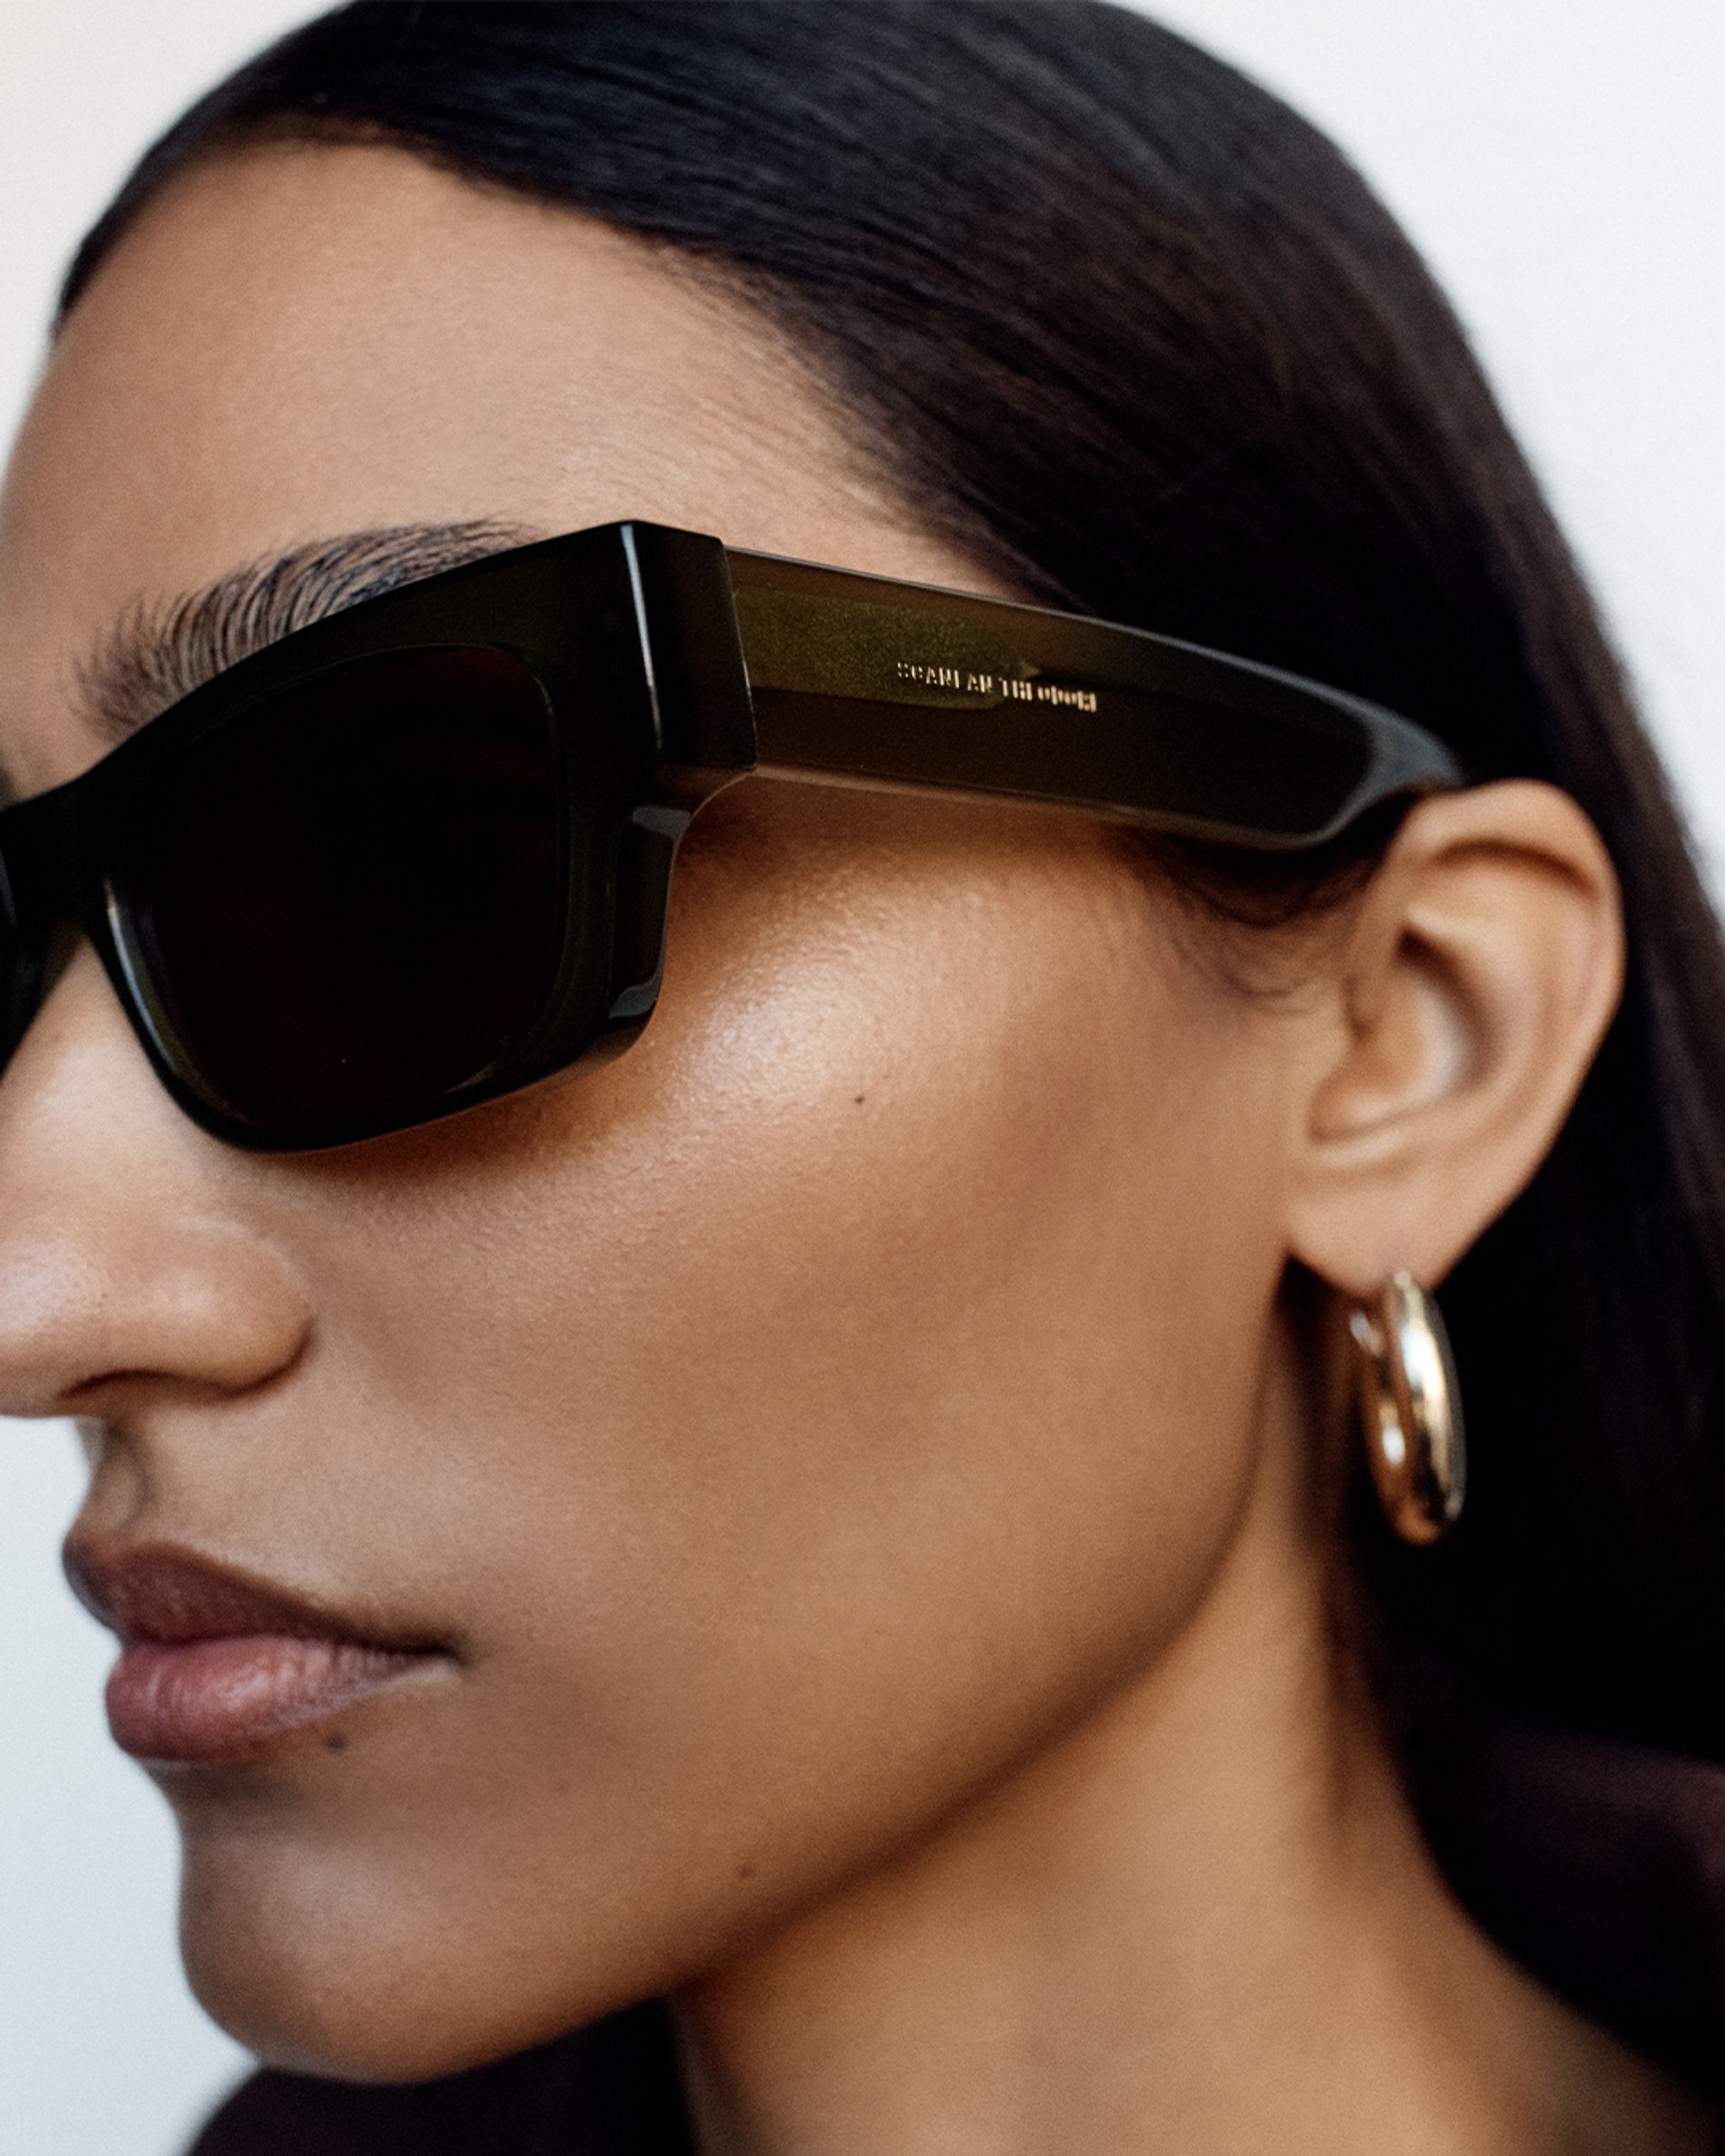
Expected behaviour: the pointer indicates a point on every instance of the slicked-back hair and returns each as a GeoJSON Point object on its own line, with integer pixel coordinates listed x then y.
{"type": "Point", "coordinates": [1119, 323]}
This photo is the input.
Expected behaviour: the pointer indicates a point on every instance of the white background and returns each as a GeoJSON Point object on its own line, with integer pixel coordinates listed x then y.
{"type": "Point", "coordinates": [1560, 160]}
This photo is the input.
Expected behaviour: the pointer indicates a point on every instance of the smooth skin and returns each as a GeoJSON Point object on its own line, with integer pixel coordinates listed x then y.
{"type": "Point", "coordinates": [858, 1449]}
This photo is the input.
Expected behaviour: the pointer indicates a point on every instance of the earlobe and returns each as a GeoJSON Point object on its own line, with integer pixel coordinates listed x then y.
{"type": "Point", "coordinates": [1483, 968]}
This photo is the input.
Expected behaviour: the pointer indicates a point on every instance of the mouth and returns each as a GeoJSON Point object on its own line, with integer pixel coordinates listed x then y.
{"type": "Point", "coordinates": [215, 1664]}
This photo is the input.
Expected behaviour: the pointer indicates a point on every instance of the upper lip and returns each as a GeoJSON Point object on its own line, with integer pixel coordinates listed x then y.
{"type": "Point", "coordinates": [172, 1596]}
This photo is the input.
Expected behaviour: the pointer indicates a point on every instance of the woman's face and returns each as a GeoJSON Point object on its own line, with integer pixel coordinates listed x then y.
{"type": "Point", "coordinates": [750, 1448]}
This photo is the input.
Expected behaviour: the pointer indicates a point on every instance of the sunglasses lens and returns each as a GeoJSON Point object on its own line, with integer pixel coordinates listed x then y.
{"type": "Point", "coordinates": [346, 902]}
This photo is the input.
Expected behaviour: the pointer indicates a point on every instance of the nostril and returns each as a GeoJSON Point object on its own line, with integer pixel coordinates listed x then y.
{"type": "Point", "coordinates": [139, 1305]}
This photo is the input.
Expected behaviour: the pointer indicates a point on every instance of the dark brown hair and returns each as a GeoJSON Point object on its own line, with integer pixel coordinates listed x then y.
{"type": "Point", "coordinates": [1137, 337]}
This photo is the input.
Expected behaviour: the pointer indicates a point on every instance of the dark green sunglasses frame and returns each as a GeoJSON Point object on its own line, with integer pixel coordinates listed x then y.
{"type": "Point", "coordinates": [671, 665]}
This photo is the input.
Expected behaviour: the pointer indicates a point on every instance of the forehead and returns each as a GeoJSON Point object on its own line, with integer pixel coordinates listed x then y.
{"type": "Point", "coordinates": [296, 341]}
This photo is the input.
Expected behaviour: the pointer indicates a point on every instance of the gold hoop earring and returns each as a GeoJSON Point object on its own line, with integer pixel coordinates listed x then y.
{"type": "Point", "coordinates": [1411, 1407]}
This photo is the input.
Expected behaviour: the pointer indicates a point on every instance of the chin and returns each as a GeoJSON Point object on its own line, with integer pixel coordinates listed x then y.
{"type": "Point", "coordinates": [331, 1968]}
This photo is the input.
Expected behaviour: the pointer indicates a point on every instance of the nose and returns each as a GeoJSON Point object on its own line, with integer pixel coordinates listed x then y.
{"type": "Point", "coordinates": [132, 1256]}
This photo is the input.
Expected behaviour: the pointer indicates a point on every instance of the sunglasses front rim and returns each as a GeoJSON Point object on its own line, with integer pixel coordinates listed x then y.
{"type": "Point", "coordinates": [664, 608]}
{"type": "Point", "coordinates": [600, 763]}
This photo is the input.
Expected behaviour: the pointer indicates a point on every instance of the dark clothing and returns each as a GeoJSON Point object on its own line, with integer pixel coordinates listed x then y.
{"type": "Point", "coordinates": [1599, 1864]}
{"type": "Point", "coordinates": [612, 2090]}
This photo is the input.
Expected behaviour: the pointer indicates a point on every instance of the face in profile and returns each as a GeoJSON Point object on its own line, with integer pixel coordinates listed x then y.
{"type": "Point", "coordinates": [732, 1458]}
{"type": "Point", "coordinates": [858, 1450]}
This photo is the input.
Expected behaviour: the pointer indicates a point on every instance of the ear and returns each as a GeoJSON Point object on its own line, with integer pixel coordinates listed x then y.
{"type": "Point", "coordinates": [1478, 977]}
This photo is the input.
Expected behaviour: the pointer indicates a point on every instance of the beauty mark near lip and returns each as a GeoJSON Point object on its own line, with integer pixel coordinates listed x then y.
{"type": "Point", "coordinates": [196, 1700]}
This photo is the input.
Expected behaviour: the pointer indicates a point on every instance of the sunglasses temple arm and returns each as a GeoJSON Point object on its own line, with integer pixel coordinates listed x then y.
{"type": "Point", "coordinates": [857, 680]}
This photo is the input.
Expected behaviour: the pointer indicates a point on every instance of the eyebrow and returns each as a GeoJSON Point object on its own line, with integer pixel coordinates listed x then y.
{"type": "Point", "coordinates": [160, 649]}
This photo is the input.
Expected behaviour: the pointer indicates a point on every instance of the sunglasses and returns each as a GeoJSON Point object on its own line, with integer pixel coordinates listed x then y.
{"type": "Point", "coordinates": [417, 855]}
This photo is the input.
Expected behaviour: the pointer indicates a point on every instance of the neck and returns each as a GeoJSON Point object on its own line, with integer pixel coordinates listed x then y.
{"type": "Point", "coordinates": [1203, 1921]}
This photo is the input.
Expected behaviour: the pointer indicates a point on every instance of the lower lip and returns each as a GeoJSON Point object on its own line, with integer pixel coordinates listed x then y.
{"type": "Point", "coordinates": [194, 1700]}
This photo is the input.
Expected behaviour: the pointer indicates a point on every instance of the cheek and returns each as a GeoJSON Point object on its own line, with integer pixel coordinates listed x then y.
{"type": "Point", "coordinates": [851, 1393]}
